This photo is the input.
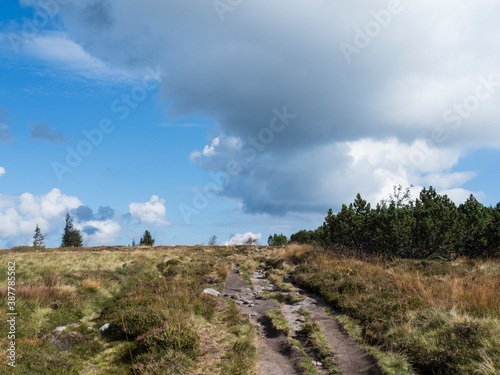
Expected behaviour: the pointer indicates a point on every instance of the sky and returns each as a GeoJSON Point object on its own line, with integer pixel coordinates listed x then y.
{"type": "Point", "coordinates": [238, 118]}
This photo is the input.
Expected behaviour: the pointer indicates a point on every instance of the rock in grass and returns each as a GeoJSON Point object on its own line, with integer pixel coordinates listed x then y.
{"type": "Point", "coordinates": [211, 291]}
{"type": "Point", "coordinates": [59, 330]}
{"type": "Point", "coordinates": [104, 328]}
{"type": "Point", "coordinates": [308, 301]}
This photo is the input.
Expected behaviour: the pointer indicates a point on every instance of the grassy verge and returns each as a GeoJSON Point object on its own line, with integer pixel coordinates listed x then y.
{"type": "Point", "coordinates": [390, 363]}
{"type": "Point", "coordinates": [242, 353]}
{"type": "Point", "coordinates": [305, 364]}
{"type": "Point", "coordinates": [279, 322]}
{"type": "Point", "coordinates": [319, 344]}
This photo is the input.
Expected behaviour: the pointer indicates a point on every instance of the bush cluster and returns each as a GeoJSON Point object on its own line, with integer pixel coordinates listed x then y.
{"type": "Point", "coordinates": [431, 225]}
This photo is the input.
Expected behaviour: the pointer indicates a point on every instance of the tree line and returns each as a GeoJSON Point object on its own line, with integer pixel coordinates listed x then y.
{"type": "Point", "coordinates": [430, 226]}
{"type": "Point", "coordinates": [72, 237]}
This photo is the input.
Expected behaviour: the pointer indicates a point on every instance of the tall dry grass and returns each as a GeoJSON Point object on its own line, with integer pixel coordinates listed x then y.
{"type": "Point", "coordinates": [444, 315]}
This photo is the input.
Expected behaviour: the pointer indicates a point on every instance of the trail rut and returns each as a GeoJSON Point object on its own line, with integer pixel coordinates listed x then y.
{"type": "Point", "coordinates": [273, 357]}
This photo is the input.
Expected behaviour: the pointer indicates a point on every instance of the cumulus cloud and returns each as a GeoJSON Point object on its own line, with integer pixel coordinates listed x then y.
{"type": "Point", "coordinates": [19, 215]}
{"type": "Point", "coordinates": [152, 212]}
{"type": "Point", "coordinates": [210, 151]}
{"type": "Point", "coordinates": [100, 232]}
{"type": "Point", "coordinates": [416, 80]}
{"type": "Point", "coordinates": [44, 132]}
{"type": "Point", "coordinates": [241, 239]}
{"type": "Point", "coordinates": [2, 171]}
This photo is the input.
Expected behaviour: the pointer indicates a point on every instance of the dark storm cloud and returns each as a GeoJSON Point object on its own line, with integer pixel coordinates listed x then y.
{"type": "Point", "coordinates": [267, 55]}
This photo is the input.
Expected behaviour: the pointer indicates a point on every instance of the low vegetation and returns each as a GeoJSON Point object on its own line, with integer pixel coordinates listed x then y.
{"type": "Point", "coordinates": [443, 316]}
{"type": "Point", "coordinates": [278, 321]}
{"type": "Point", "coordinates": [160, 322]}
{"type": "Point", "coordinates": [414, 315]}
{"type": "Point", "coordinates": [317, 341]}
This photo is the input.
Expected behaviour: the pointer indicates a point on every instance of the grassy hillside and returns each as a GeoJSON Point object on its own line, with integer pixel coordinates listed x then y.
{"type": "Point", "coordinates": [442, 317]}
{"type": "Point", "coordinates": [160, 321]}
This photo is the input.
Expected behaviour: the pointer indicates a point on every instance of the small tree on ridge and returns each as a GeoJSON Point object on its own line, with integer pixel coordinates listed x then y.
{"type": "Point", "coordinates": [72, 236]}
{"type": "Point", "coordinates": [38, 238]}
{"type": "Point", "coordinates": [147, 239]}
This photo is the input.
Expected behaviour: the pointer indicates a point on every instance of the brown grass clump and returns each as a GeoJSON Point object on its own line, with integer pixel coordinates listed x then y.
{"type": "Point", "coordinates": [41, 294]}
{"type": "Point", "coordinates": [91, 285]}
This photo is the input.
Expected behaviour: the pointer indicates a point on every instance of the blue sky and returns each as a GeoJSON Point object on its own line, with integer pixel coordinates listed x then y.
{"type": "Point", "coordinates": [214, 125]}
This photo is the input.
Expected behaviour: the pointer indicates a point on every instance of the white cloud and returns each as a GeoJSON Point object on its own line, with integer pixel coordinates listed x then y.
{"type": "Point", "coordinates": [195, 155]}
{"type": "Point", "coordinates": [241, 239]}
{"type": "Point", "coordinates": [152, 212]}
{"type": "Point", "coordinates": [57, 50]}
{"type": "Point", "coordinates": [19, 215]}
{"type": "Point", "coordinates": [2, 171]}
{"type": "Point", "coordinates": [392, 162]}
{"type": "Point", "coordinates": [460, 195]}
{"type": "Point", "coordinates": [210, 150]}
{"type": "Point", "coordinates": [100, 232]}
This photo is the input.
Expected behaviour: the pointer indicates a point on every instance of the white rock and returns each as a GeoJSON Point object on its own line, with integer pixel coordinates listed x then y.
{"type": "Point", "coordinates": [105, 327]}
{"type": "Point", "coordinates": [59, 329]}
{"type": "Point", "coordinates": [211, 291]}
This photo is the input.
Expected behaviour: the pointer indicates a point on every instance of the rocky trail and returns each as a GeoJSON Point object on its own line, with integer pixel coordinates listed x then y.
{"type": "Point", "coordinates": [272, 357]}
{"type": "Point", "coordinates": [275, 357]}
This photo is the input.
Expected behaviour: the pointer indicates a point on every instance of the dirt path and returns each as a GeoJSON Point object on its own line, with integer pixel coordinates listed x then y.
{"type": "Point", "coordinates": [272, 358]}
{"type": "Point", "coordinates": [351, 359]}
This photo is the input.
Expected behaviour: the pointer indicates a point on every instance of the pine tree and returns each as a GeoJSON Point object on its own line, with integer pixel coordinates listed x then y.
{"type": "Point", "coordinates": [147, 240]}
{"type": "Point", "coordinates": [277, 240]}
{"type": "Point", "coordinates": [38, 238]}
{"type": "Point", "coordinates": [474, 227]}
{"type": "Point", "coordinates": [72, 236]}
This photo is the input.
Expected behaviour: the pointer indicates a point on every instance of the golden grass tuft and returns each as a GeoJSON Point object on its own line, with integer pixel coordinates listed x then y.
{"type": "Point", "coordinates": [41, 293]}
{"type": "Point", "coordinates": [93, 285]}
